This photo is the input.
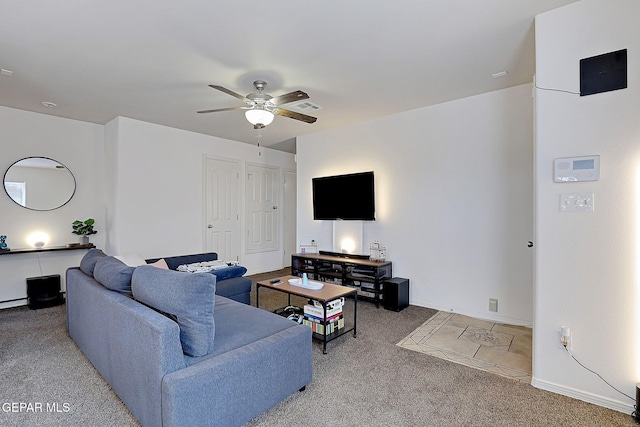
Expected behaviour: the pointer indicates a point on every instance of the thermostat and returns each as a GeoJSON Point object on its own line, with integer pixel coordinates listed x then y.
{"type": "Point", "coordinates": [575, 169]}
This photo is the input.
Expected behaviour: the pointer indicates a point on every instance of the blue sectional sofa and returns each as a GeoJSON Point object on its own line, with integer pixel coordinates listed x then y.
{"type": "Point", "coordinates": [178, 353]}
{"type": "Point", "coordinates": [229, 282]}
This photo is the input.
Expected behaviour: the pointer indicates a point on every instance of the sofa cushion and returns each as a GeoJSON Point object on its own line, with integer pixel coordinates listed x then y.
{"type": "Point", "coordinates": [235, 288]}
{"type": "Point", "coordinates": [114, 275]}
{"type": "Point", "coordinates": [88, 262]}
{"type": "Point", "coordinates": [132, 260]}
{"type": "Point", "coordinates": [229, 272]}
{"type": "Point", "coordinates": [188, 297]}
{"type": "Point", "coordinates": [161, 263]}
{"type": "Point", "coordinates": [240, 325]}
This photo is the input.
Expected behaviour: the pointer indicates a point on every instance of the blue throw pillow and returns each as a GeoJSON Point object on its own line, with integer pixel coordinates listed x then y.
{"type": "Point", "coordinates": [114, 274]}
{"type": "Point", "coordinates": [229, 272]}
{"type": "Point", "coordinates": [88, 262]}
{"type": "Point", "coordinates": [187, 296]}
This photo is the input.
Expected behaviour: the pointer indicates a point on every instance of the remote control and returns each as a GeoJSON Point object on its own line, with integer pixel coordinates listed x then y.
{"type": "Point", "coordinates": [274, 281]}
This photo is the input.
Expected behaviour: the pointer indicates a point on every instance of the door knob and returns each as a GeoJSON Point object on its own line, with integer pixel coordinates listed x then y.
{"type": "Point", "coordinates": [275, 207]}
{"type": "Point", "coordinates": [209, 226]}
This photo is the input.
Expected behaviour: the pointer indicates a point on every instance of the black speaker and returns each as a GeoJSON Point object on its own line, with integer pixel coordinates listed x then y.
{"type": "Point", "coordinates": [44, 291]}
{"type": "Point", "coordinates": [396, 294]}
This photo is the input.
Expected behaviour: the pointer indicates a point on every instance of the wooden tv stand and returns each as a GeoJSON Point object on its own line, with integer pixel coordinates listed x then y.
{"type": "Point", "coordinates": [347, 270]}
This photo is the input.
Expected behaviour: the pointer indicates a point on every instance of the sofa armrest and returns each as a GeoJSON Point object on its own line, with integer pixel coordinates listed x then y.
{"type": "Point", "coordinates": [231, 388]}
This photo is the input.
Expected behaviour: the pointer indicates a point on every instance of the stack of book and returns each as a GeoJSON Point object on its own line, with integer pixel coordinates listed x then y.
{"type": "Point", "coordinates": [315, 318]}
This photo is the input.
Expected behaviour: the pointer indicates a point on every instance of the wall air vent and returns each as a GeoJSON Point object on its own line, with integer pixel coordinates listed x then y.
{"type": "Point", "coordinates": [305, 107]}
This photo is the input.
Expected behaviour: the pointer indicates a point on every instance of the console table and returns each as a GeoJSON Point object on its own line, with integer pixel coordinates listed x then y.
{"type": "Point", "coordinates": [42, 288]}
{"type": "Point", "coordinates": [47, 249]}
{"type": "Point", "coordinates": [348, 270]}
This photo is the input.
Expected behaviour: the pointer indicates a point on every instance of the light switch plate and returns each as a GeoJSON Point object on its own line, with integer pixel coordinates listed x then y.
{"type": "Point", "coordinates": [576, 202]}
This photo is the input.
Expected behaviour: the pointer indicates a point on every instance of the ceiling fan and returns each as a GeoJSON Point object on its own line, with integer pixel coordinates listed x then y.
{"type": "Point", "coordinates": [261, 107]}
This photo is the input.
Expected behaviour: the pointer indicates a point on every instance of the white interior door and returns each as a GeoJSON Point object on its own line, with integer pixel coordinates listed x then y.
{"type": "Point", "coordinates": [289, 220]}
{"type": "Point", "coordinates": [222, 220]}
{"type": "Point", "coordinates": [262, 209]}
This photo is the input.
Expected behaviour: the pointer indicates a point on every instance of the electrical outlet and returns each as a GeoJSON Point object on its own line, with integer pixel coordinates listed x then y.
{"type": "Point", "coordinates": [493, 304]}
{"type": "Point", "coordinates": [564, 336]}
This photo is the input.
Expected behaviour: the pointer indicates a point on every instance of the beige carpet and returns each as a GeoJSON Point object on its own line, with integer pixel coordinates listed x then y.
{"type": "Point", "coordinates": [368, 380]}
{"type": "Point", "coordinates": [493, 347]}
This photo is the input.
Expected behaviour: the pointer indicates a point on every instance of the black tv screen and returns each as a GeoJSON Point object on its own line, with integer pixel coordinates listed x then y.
{"type": "Point", "coordinates": [344, 197]}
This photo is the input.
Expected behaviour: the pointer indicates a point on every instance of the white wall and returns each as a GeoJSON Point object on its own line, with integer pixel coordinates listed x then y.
{"type": "Point", "coordinates": [79, 146]}
{"type": "Point", "coordinates": [588, 264]}
{"type": "Point", "coordinates": [156, 174]}
{"type": "Point", "coordinates": [143, 186]}
{"type": "Point", "coordinates": [454, 195]}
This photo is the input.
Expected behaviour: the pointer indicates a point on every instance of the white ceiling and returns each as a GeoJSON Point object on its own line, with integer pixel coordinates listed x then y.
{"type": "Point", "coordinates": [357, 59]}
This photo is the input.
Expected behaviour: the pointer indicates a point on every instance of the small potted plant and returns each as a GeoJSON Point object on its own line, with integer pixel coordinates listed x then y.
{"type": "Point", "coordinates": [84, 229]}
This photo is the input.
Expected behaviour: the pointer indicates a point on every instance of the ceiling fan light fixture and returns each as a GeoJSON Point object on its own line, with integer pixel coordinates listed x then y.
{"type": "Point", "coordinates": [261, 107]}
{"type": "Point", "coordinates": [257, 116]}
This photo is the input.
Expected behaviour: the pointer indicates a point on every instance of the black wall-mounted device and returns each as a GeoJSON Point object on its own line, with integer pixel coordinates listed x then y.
{"type": "Point", "coordinates": [603, 73]}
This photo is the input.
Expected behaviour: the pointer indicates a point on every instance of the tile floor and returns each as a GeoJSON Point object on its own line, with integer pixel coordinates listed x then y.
{"type": "Point", "coordinates": [502, 349]}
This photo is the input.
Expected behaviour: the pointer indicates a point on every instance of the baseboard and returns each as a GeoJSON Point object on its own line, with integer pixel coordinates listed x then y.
{"type": "Point", "coordinates": [605, 402]}
{"type": "Point", "coordinates": [13, 303]}
{"type": "Point", "coordinates": [482, 316]}
{"type": "Point", "coordinates": [595, 399]}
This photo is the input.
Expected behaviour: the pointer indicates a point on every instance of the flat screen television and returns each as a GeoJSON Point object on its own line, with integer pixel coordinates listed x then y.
{"type": "Point", "coordinates": [344, 197]}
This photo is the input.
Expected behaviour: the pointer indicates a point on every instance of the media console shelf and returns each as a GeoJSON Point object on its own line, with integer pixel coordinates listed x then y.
{"type": "Point", "coordinates": [347, 270]}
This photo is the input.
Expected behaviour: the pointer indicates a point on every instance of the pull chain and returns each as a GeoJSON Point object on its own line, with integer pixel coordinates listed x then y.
{"type": "Point", "coordinates": [259, 136]}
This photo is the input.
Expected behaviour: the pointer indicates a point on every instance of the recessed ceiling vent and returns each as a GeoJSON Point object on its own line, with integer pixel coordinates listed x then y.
{"type": "Point", "coordinates": [305, 106]}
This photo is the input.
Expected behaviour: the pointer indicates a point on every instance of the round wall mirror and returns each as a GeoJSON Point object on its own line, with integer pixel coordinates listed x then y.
{"type": "Point", "coordinates": [39, 183]}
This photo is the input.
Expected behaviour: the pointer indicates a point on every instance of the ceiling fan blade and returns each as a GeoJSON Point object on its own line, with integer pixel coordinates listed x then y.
{"type": "Point", "coordinates": [222, 109]}
{"type": "Point", "coordinates": [294, 115]}
{"type": "Point", "coordinates": [298, 95]}
{"type": "Point", "coordinates": [230, 92]}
